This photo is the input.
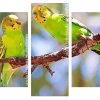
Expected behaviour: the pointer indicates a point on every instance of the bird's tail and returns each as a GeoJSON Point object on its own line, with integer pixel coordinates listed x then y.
{"type": "Point", "coordinates": [7, 72]}
{"type": "Point", "coordinates": [96, 49]}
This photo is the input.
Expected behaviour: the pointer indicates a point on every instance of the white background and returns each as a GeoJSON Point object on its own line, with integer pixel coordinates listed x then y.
{"type": "Point", "coordinates": [25, 93]}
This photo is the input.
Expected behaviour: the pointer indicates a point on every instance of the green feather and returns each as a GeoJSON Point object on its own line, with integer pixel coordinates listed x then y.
{"type": "Point", "coordinates": [57, 27]}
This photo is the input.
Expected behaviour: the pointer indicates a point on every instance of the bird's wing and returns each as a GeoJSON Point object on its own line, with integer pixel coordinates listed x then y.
{"type": "Point", "coordinates": [2, 53]}
{"type": "Point", "coordinates": [63, 17]}
{"type": "Point", "coordinates": [78, 23]}
{"type": "Point", "coordinates": [2, 48]}
{"type": "Point", "coordinates": [97, 51]}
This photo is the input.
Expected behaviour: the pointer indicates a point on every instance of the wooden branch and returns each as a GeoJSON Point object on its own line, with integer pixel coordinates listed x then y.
{"type": "Point", "coordinates": [15, 62]}
{"type": "Point", "coordinates": [51, 57]}
{"type": "Point", "coordinates": [85, 44]}
{"type": "Point", "coordinates": [80, 47]}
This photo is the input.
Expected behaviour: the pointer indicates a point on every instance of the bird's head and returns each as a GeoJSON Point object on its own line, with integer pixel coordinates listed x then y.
{"type": "Point", "coordinates": [41, 13]}
{"type": "Point", "coordinates": [11, 22]}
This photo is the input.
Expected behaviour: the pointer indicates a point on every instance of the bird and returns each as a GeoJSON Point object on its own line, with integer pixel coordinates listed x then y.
{"type": "Point", "coordinates": [58, 26]}
{"type": "Point", "coordinates": [79, 30]}
{"type": "Point", "coordinates": [12, 45]}
{"type": "Point", "coordinates": [55, 24]}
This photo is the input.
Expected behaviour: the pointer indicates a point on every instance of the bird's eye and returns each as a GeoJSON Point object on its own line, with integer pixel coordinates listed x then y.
{"type": "Point", "coordinates": [34, 13]}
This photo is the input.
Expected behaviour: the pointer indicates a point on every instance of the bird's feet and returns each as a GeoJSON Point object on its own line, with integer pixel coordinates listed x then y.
{"type": "Point", "coordinates": [16, 62]}
{"type": "Point", "coordinates": [84, 38]}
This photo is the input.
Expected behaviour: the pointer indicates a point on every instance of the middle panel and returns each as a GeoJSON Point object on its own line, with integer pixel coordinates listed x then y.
{"type": "Point", "coordinates": [49, 28]}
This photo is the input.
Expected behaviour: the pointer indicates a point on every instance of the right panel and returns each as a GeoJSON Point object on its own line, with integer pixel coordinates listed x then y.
{"type": "Point", "coordinates": [86, 66]}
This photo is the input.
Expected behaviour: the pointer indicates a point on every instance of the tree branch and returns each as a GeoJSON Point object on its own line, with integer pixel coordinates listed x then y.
{"type": "Point", "coordinates": [85, 44]}
{"type": "Point", "coordinates": [15, 62]}
{"type": "Point", "coordinates": [78, 48]}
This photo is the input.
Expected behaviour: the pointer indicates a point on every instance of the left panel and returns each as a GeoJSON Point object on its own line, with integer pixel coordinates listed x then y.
{"type": "Point", "coordinates": [13, 45]}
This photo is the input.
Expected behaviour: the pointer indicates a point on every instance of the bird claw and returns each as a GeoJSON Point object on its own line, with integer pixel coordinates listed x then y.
{"type": "Point", "coordinates": [91, 36]}
{"type": "Point", "coordinates": [13, 62]}
{"type": "Point", "coordinates": [12, 59]}
{"type": "Point", "coordinates": [82, 36]}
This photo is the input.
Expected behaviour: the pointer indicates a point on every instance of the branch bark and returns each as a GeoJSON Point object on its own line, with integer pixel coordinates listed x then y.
{"type": "Point", "coordinates": [85, 44]}
{"type": "Point", "coordinates": [15, 62]}
{"type": "Point", "coordinates": [77, 49]}
{"type": "Point", "coordinates": [80, 47]}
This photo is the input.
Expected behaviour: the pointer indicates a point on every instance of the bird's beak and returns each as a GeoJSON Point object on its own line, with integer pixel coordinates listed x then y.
{"type": "Point", "coordinates": [18, 22]}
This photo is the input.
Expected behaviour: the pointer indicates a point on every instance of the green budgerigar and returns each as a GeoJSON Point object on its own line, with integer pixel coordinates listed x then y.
{"type": "Point", "coordinates": [12, 45]}
{"type": "Point", "coordinates": [57, 25]}
{"type": "Point", "coordinates": [79, 29]}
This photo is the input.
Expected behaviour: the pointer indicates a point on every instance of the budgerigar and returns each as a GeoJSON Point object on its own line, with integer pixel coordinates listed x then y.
{"type": "Point", "coordinates": [57, 25]}
{"type": "Point", "coordinates": [12, 45]}
{"type": "Point", "coordinates": [78, 29]}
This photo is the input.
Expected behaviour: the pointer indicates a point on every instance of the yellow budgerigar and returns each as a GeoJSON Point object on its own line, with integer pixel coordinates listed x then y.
{"type": "Point", "coordinates": [12, 45]}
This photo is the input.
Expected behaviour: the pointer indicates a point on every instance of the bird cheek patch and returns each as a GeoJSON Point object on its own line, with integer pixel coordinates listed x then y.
{"type": "Point", "coordinates": [15, 27]}
{"type": "Point", "coordinates": [42, 20]}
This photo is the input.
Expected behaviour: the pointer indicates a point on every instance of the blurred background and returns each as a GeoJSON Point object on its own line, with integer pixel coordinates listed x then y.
{"type": "Point", "coordinates": [86, 67]}
{"type": "Point", "coordinates": [17, 79]}
{"type": "Point", "coordinates": [43, 84]}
